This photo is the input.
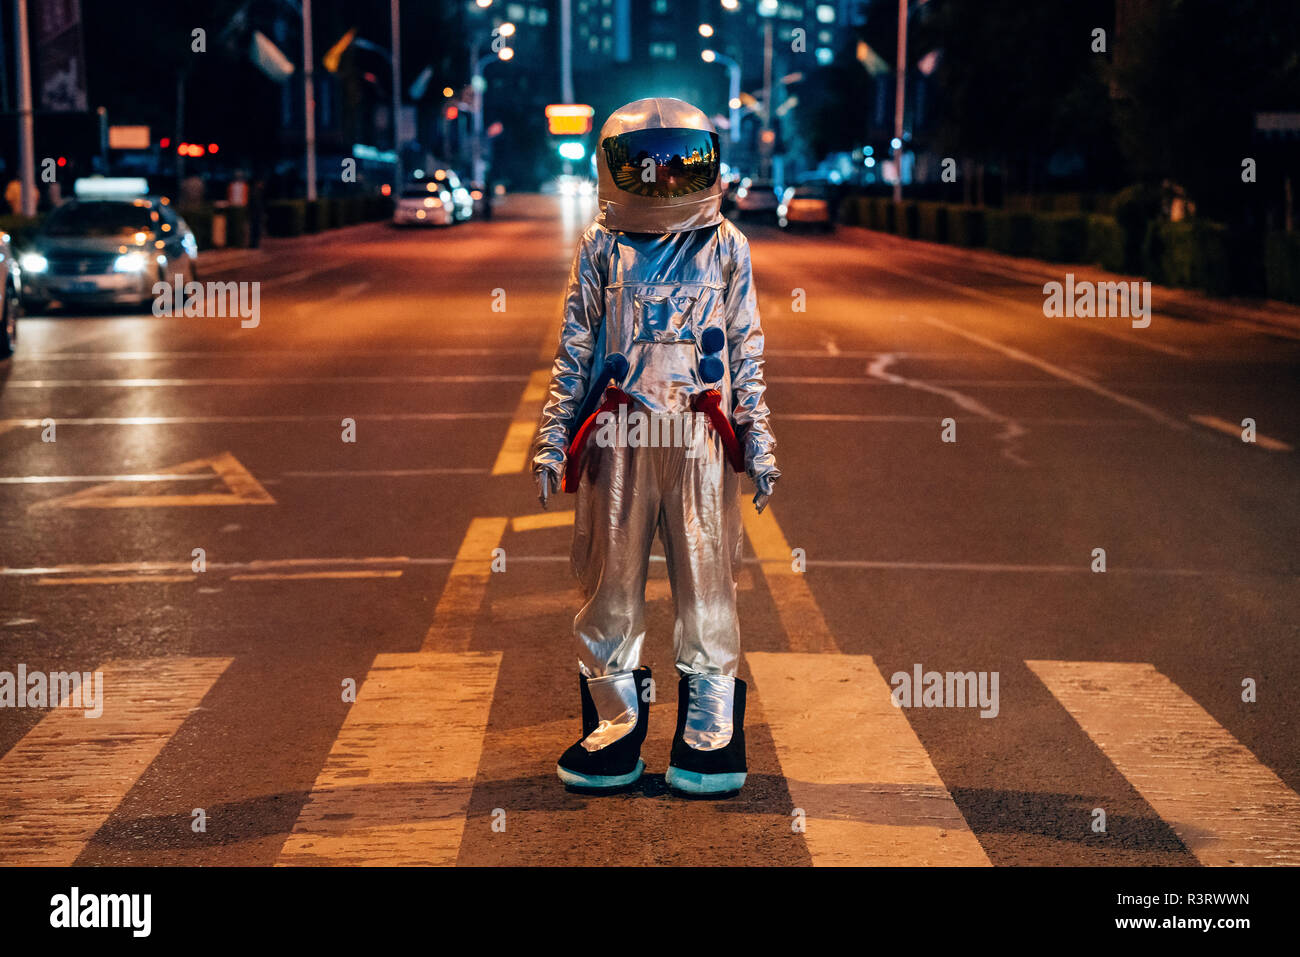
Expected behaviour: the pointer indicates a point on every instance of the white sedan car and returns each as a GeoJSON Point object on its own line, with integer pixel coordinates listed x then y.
{"type": "Point", "coordinates": [424, 204]}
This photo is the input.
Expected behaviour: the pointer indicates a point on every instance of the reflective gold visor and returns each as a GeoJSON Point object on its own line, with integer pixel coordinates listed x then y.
{"type": "Point", "coordinates": [663, 163]}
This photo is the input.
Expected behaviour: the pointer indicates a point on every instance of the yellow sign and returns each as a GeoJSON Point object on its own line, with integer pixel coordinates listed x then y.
{"type": "Point", "coordinates": [569, 119]}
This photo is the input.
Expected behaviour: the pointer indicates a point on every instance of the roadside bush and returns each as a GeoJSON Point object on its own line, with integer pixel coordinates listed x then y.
{"type": "Point", "coordinates": [932, 221]}
{"type": "Point", "coordinates": [236, 226]}
{"type": "Point", "coordinates": [907, 219]}
{"type": "Point", "coordinates": [1060, 237]}
{"type": "Point", "coordinates": [199, 219]}
{"type": "Point", "coordinates": [333, 212]}
{"type": "Point", "coordinates": [286, 217]}
{"type": "Point", "coordinates": [1105, 243]}
{"type": "Point", "coordinates": [1134, 209]}
{"type": "Point", "coordinates": [1192, 254]}
{"type": "Point", "coordinates": [316, 215]}
{"type": "Point", "coordinates": [21, 229]}
{"type": "Point", "coordinates": [1282, 266]}
{"type": "Point", "coordinates": [1010, 233]}
{"type": "Point", "coordinates": [967, 226]}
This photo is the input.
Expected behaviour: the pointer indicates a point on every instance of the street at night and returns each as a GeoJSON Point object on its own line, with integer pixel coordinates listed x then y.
{"type": "Point", "coordinates": [372, 560]}
{"type": "Point", "coordinates": [829, 465]}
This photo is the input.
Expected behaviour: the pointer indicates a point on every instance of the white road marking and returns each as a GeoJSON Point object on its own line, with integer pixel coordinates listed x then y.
{"type": "Point", "coordinates": [1234, 429]}
{"type": "Point", "coordinates": [854, 766]}
{"type": "Point", "coordinates": [253, 419]}
{"type": "Point", "coordinates": [347, 292]}
{"type": "Point", "coordinates": [64, 778]}
{"type": "Point", "coordinates": [73, 479]}
{"type": "Point", "coordinates": [256, 381]}
{"type": "Point", "coordinates": [1012, 430]}
{"type": "Point", "coordinates": [263, 354]}
{"type": "Point", "coordinates": [1064, 374]}
{"type": "Point", "coordinates": [1226, 806]}
{"type": "Point", "coordinates": [396, 786]}
{"type": "Point", "coordinates": [242, 489]}
{"type": "Point", "coordinates": [1004, 301]}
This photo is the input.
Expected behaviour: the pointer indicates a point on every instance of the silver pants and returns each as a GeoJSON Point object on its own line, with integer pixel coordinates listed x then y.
{"type": "Point", "coordinates": [689, 498]}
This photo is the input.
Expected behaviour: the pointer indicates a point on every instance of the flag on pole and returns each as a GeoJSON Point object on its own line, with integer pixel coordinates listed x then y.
{"type": "Point", "coordinates": [872, 60]}
{"type": "Point", "coordinates": [267, 57]}
{"type": "Point", "coordinates": [331, 59]}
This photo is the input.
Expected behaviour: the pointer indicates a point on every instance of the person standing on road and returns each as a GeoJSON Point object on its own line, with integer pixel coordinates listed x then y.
{"type": "Point", "coordinates": [660, 320]}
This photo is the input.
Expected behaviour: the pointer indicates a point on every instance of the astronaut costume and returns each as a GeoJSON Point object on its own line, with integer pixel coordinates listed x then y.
{"type": "Point", "coordinates": [661, 309]}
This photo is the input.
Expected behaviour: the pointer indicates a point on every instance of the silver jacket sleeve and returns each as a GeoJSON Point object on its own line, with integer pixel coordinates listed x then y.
{"type": "Point", "coordinates": [581, 333]}
{"type": "Point", "coordinates": [745, 351]}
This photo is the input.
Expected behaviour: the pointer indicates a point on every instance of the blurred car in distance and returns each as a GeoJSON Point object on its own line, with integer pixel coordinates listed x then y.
{"type": "Point", "coordinates": [106, 247]}
{"type": "Point", "coordinates": [807, 205]}
{"type": "Point", "coordinates": [423, 204]}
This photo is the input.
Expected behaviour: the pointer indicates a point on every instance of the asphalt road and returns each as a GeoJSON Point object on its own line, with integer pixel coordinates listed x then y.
{"type": "Point", "coordinates": [369, 561]}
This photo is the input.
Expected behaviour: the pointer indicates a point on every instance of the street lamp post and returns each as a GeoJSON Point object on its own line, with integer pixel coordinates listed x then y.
{"type": "Point", "coordinates": [309, 99]}
{"type": "Point", "coordinates": [900, 84]}
{"type": "Point", "coordinates": [396, 16]}
{"type": "Point", "coordinates": [733, 101]}
{"type": "Point", "coordinates": [500, 34]}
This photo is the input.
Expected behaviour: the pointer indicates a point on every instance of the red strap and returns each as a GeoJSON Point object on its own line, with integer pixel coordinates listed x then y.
{"type": "Point", "coordinates": [614, 397]}
{"type": "Point", "coordinates": [710, 403]}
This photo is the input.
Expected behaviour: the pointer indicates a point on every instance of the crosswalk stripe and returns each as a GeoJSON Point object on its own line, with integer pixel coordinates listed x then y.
{"type": "Point", "coordinates": [395, 789]}
{"type": "Point", "coordinates": [60, 783]}
{"type": "Point", "coordinates": [1224, 805]}
{"type": "Point", "coordinates": [805, 628]}
{"type": "Point", "coordinates": [869, 792]}
{"type": "Point", "coordinates": [513, 456]}
{"type": "Point", "coordinates": [462, 596]}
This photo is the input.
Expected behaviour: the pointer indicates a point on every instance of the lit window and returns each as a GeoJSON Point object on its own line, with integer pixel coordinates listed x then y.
{"type": "Point", "coordinates": [660, 7]}
{"type": "Point", "coordinates": [537, 16]}
{"type": "Point", "coordinates": [825, 13]}
{"type": "Point", "coordinates": [514, 11]}
{"type": "Point", "coordinates": [824, 55]}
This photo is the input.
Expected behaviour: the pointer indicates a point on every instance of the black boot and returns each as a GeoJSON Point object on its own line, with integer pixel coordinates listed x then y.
{"type": "Point", "coordinates": [710, 711]}
{"type": "Point", "coordinates": [615, 710]}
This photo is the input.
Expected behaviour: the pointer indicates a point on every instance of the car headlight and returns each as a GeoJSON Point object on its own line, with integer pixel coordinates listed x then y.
{"type": "Point", "coordinates": [130, 262]}
{"type": "Point", "coordinates": [34, 262]}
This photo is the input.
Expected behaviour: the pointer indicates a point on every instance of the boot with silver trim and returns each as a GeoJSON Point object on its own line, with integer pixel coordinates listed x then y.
{"type": "Point", "coordinates": [614, 724]}
{"type": "Point", "coordinates": [708, 756]}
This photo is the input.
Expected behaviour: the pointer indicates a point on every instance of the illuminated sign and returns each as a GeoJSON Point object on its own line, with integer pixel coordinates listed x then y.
{"type": "Point", "coordinates": [569, 119]}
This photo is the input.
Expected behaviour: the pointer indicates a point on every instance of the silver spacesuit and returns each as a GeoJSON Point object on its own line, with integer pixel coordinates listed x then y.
{"type": "Point", "coordinates": [658, 279]}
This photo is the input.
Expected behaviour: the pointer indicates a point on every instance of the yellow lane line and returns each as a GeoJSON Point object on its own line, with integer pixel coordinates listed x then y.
{"type": "Point", "coordinates": [462, 597]}
{"type": "Point", "coordinates": [396, 786]}
{"type": "Point", "coordinates": [869, 793]}
{"type": "Point", "coordinates": [64, 778]}
{"type": "Point", "coordinates": [1225, 805]}
{"type": "Point", "coordinates": [513, 457]}
{"type": "Point", "coordinates": [805, 628]}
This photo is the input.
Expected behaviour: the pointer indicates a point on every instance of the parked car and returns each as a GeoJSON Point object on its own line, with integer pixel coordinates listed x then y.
{"type": "Point", "coordinates": [12, 300]}
{"type": "Point", "coordinates": [756, 200]}
{"type": "Point", "coordinates": [423, 204]}
{"type": "Point", "coordinates": [808, 206]}
{"type": "Point", "coordinates": [107, 252]}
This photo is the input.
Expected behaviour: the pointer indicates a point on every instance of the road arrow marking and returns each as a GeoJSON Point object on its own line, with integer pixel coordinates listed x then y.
{"type": "Point", "coordinates": [243, 489]}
